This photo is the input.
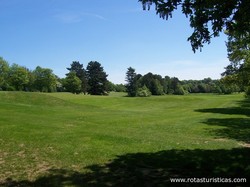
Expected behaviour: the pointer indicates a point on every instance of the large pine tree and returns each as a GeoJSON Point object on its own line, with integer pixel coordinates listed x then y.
{"type": "Point", "coordinates": [131, 82]}
{"type": "Point", "coordinates": [97, 79]}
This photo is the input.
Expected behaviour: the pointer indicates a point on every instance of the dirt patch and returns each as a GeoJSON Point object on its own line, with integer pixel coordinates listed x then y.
{"type": "Point", "coordinates": [21, 154]}
{"type": "Point", "coordinates": [40, 168]}
{"type": "Point", "coordinates": [247, 145]}
{"type": "Point", "coordinates": [221, 139]}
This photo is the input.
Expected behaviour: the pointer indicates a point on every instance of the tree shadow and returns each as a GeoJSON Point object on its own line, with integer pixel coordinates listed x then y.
{"type": "Point", "coordinates": [229, 111]}
{"type": "Point", "coordinates": [152, 169]}
{"type": "Point", "coordinates": [237, 128]}
{"type": "Point", "coordinates": [245, 103]}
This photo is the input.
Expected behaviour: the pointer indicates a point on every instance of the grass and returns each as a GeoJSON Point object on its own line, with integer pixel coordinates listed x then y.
{"type": "Point", "coordinates": [61, 139]}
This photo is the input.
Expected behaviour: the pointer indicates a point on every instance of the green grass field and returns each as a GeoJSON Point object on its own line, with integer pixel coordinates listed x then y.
{"type": "Point", "coordinates": [61, 139]}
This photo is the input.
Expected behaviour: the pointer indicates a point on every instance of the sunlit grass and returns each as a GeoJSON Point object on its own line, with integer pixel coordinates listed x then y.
{"type": "Point", "coordinates": [61, 130]}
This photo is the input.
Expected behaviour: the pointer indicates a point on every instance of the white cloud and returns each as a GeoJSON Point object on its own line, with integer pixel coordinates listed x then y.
{"type": "Point", "coordinates": [76, 17]}
{"type": "Point", "coordinates": [68, 18]}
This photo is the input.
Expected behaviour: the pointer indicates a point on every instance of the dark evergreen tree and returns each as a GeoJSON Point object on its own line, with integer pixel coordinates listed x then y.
{"type": "Point", "coordinates": [97, 79]}
{"type": "Point", "coordinates": [131, 79]}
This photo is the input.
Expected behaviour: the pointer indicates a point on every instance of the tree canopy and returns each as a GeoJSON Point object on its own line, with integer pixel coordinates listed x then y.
{"type": "Point", "coordinates": [45, 80]}
{"type": "Point", "coordinates": [207, 17]}
{"type": "Point", "coordinates": [72, 83]}
{"type": "Point", "coordinates": [153, 84]}
{"type": "Point", "coordinates": [20, 78]}
{"type": "Point", "coordinates": [238, 71]}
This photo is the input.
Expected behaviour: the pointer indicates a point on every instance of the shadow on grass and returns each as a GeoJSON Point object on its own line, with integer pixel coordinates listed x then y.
{"type": "Point", "coordinates": [152, 169]}
{"type": "Point", "coordinates": [230, 111]}
{"type": "Point", "coordinates": [242, 109]}
{"type": "Point", "coordinates": [245, 103]}
{"type": "Point", "coordinates": [233, 128]}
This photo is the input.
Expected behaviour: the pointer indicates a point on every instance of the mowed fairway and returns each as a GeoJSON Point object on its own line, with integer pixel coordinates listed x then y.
{"type": "Point", "coordinates": [61, 139]}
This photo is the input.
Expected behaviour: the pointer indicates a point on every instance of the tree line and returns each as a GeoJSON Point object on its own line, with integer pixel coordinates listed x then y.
{"type": "Point", "coordinates": [93, 80]}
{"type": "Point", "coordinates": [20, 78]}
{"type": "Point", "coordinates": [153, 84]}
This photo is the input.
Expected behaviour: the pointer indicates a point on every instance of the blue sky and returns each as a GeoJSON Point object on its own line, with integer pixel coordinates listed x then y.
{"type": "Point", "coordinates": [116, 33]}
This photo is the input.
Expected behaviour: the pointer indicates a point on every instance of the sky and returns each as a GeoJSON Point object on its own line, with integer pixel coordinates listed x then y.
{"type": "Point", "coordinates": [116, 33]}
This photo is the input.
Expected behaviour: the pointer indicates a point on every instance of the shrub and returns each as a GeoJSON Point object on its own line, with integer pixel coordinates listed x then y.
{"type": "Point", "coordinates": [179, 90]}
{"type": "Point", "coordinates": [247, 92]}
{"type": "Point", "coordinates": [143, 92]}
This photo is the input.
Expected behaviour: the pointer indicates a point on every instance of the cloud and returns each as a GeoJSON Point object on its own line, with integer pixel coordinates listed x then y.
{"type": "Point", "coordinates": [76, 17]}
{"type": "Point", "coordinates": [68, 18]}
{"type": "Point", "coordinates": [93, 15]}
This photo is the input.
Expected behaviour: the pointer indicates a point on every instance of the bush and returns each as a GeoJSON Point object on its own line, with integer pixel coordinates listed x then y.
{"type": "Point", "coordinates": [247, 92]}
{"type": "Point", "coordinates": [179, 90]}
{"type": "Point", "coordinates": [143, 92]}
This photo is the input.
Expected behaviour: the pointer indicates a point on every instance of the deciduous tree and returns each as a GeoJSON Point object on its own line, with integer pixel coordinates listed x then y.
{"type": "Point", "coordinates": [18, 77]}
{"type": "Point", "coordinates": [4, 69]}
{"type": "Point", "coordinates": [45, 80]}
{"type": "Point", "coordinates": [72, 83]}
{"type": "Point", "coordinates": [80, 73]}
{"type": "Point", "coordinates": [238, 71]}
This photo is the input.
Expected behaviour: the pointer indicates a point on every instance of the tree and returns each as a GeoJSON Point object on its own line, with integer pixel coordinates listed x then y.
{"type": "Point", "coordinates": [110, 86]}
{"type": "Point", "coordinates": [179, 90]}
{"type": "Point", "coordinates": [19, 77]}
{"type": "Point", "coordinates": [166, 84]}
{"type": "Point", "coordinates": [131, 79]}
{"type": "Point", "coordinates": [97, 79]}
{"type": "Point", "coordinates": [143, 92]}
{"type": "Point", "coordinates": [45, 80]}
{"type": "Point", "coordinates": [4, 70]}
{"type": "Point", "coordinates": [120, 88]}
{"type": "Point", "coordinates": [174, 82]}
{"type": "Point", "coordinates": [207, 17]}
{"type": "Point", "coordinates": [80, 73]}
{"type": "Point", "coordinates": [72, 83]}
{"type": "Point", "coordinates": [238, 71]}
{"type": "Point", "coordinates": [157, 87]}
{"type": "Point", "coordinates": [153, 82]}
